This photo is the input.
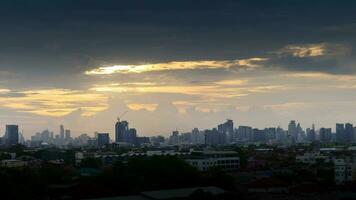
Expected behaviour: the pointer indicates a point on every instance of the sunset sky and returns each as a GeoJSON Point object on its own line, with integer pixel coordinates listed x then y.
{"type": "Point", "coordinates": [176, 64]}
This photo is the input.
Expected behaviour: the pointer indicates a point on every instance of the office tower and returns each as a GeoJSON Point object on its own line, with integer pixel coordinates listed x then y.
{"type": "Point", "coordinates": [103, 139]}
{"type": "Point", "coordinates": [61, 131]}
{"type": "Point", "coordinates": [132, 136]}
{"type": "Point", "coordinates": [244, 134]}
{"type": "Point", "coordinates": [311, 135]}
{"type": "Point", "coordinates": [67, 134]}
{"type": "Point", "coordinates": [12, 134]}
{"type": "Point", "coordinates": [349, 133]}
{"type": "Point", "coordinates": [300, 134]}
{"type": "Point", "coordinates": [340, 133]}
{"type": "Point", "coordinates": [174, 138]}
{"type": "Point", "coordinates": [325, 135]}
{"type": "Point", "coordinates": [45, 136]}
{"type": "Point", "coordinates": [259, 135]}
{"type": "Point", "coordinates": [121, 131]}
{"type": "Point", "coordinates": [281, 135]}
{"type": "Point", "coordinates": [292, 131]}
{"type": "Point", "coordinates": [213, 137]}
{"type": "Point", "coordinates": [226, 131]}
{"type": "Point", "coordinates": [195, 136]}
{"type": "Point", "coordinates": [271, 134]}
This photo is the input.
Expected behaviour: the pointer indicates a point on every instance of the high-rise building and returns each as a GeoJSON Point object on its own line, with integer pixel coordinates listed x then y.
{"type": "Point", "coordinates": [325, 135]}
{"type": "Point", "coordinates": [174, 138]}
{"type": "Point", "coordinates": [132, 136]}
{"type": "Point", "coordinates": [12, 134]}
{"type": "Point", "coordinates": [103, 139]}
{"type": "Point", "coordinates": [292, 131]}
{"type": "Point", "coordinates": [61, 131]}
{"type": "Point", "coordinates": [271, 134]}
{"type": "Point", "coordinates": [311, 135]}
{"type": "Point", "coordinates": [281, 135]}
{"type": "Point", "coordinates": [300, 133]}
{"type": "Point", "coordinates": [213, 137]}
{"type": "Point", "coordinates": [67, 134]}
{"type": "Point", "coordinates": [349, 133]}
{"type": "Point", "coordinates": [244, 134]}
{"type": "Point", "coordinates": [259, 135]}
{"type": "Point", "coordinates": [226, 131]}
{"type": "Point", "coordinates": [121, 131]}
{"type": "Point", "coordinates": [340, 133]}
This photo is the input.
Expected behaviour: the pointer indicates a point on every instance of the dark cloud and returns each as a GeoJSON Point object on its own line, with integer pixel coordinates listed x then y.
{"type": "Point", "coordinates": [51, 37]}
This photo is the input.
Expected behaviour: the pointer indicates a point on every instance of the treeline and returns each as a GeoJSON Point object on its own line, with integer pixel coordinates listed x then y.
{"type": "Point", "coordinates": [94, 180]}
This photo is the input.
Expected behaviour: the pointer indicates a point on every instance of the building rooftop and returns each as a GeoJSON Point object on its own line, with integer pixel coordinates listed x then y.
{"type": "Point", "coordinates": [181, 193]}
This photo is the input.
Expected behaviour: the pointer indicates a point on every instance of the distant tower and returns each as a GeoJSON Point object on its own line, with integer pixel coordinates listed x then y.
{"type": "Point", "coordinates": [12, 134]}
{"type": "Point", "coordinates": [67, 134]}
{"type": "Point", "coordinates": [61, 132]}
{"type": "Point", "coordinates": [121, 131]}
{"type": "Point", "coordinates": [292, 131]}
{"type": "Point", "coordinates": [103, 139]}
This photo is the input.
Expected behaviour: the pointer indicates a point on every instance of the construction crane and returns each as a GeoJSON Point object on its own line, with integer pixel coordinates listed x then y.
{"type": "Point", "coordinates": [120, 116]}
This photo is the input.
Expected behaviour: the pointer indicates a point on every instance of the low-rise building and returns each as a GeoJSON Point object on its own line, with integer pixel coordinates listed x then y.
{"type": "Point", "coordinates": [225, 160]}
{"type": "Point", "coordinates": [13, 163]}
{"type": "Point", "coordinates": [345, 170]}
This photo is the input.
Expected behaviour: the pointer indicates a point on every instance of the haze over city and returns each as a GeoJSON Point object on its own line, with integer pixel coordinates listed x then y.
{"type": "Point", "coordinates": [175, 64]}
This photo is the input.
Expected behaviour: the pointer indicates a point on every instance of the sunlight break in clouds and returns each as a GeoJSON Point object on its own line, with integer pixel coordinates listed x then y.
{"type": "Point", "coordinates": [177, 65]}
{"type": "Point", "coordinates": [55, 102]}
{"type": "Point", "coordinates": [141, 106]}
{"type": "Point", "coordinates": [3, 90]}
{"type": "Point", "coordinates": [314, 50]}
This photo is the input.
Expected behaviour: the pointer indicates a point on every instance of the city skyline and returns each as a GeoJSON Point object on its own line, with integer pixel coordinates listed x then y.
{"type": "Point", "coordinates": [173, 65]}
{"type": "Point", "coordinates": [125, 134]}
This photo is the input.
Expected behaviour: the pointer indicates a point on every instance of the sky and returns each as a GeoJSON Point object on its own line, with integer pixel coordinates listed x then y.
{"type": "Point", "coordinates": [176, 64]}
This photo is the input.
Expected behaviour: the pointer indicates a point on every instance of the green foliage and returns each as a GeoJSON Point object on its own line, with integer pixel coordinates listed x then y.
{"type": "Point", "coordinates": [95, 163]}
{"type": "Point", "coordinates": [244, 155]}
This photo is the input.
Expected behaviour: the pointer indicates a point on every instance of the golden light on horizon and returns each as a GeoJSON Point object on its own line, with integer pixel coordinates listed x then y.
{"type": "Point", "coordinates": [176, 65]}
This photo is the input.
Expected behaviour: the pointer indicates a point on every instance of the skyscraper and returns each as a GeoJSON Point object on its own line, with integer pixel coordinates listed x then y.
{"type": "Point", "coordinates": [340, 133]}
{"type": "Point", "coordinates": [67, 134]}
{"type": "Point", "coordinates": [103, 139]}
{"type": "Point", "coordinates": [61, 131]}
{"type": "Point", "coordinates": [226, 131]}
{"type": "Point", "coordinates": [12, 134]}
{"type": "Point", "coordinates": [349, 133]}
{"type": "Point", "coordinates": [292, 131]}
{"type": "Point", "coordinates": [311, 135]}
{"type": "Point", "coordinates": [325, 135]}
{"type": "Point", "coordinates": [244, 134]}
{"type": "Point", "coordinates": [121, 131]}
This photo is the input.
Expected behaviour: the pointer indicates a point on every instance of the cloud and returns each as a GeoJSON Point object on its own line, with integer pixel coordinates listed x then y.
{"type": "Point", "coordinates": [4, 90]}
{"type": "Point", "coordinates": [314, 50]}
{"type": "Point", "coordinates": [141, 106]}
{"type": "Point", "coordinates": [249, 63]}
{"type": "Point", "coordinates": [55, 102]}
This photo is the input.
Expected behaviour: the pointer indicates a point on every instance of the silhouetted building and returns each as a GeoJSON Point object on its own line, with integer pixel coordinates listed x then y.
{"type": "Point", "coordinates": [214, 137]}
{"type": "Point", "coordinates": [325, 135]}
{"type": "Point", "coordinates": [244, 134]}
{"type": "Point", "coordinates": [67, 134]}
{"type": "Point", "coordinates": [292, 131]}
{"type": "Point", "coordinates": [226, 130]}
{"type": "Point", "coordinates": [311, 135]}
{"type": "Point", "coordinates": [12, 135]}
{"type": "Point", "coordinates": [349, 133]}
{"type": "Point", "coordinates": [259, 135]}
{"type": "Point", "coordinates": [174, 138]}
{"type": "Point", "coordinates": [103, 139]}
{"type": "Point", "coordinates": [61, 132]}
{"type": "Point", "coordinates": [121, 130]}
{"type": "Point", "coordinates": [340, 133]}
{"type": "Point", "coordinates": [132, 136]}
